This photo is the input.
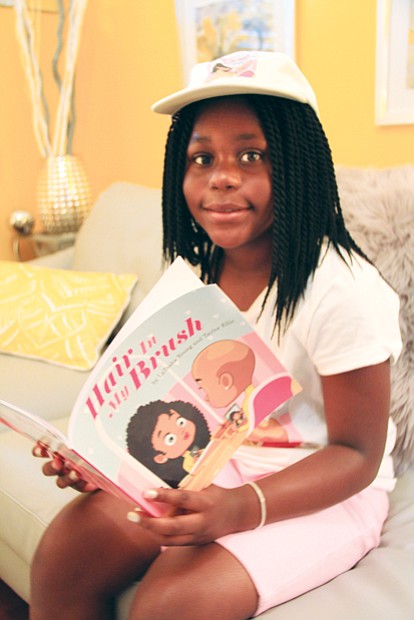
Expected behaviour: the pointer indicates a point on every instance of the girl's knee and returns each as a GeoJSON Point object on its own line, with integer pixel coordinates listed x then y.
{"type": "Point", "coordinates": [195, 582]}
{"type": "Point", "coordinates": [167, 600]}
{"type": "Point", "coordinates": [92, 549]}
{"type": "Point", "coordinates": [76, 536]}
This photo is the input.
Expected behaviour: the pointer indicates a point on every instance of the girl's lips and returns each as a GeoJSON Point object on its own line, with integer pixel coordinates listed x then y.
{"type": "Point", "coordinates": [225, 212]}
{"type": "Point", "coordinates": [225, 208]}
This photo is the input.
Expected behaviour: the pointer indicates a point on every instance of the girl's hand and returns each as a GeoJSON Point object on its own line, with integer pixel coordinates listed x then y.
{"type": "Point", "coordinates": [197, 517]}
{"type": "Point", "coordinates": [66, 476]}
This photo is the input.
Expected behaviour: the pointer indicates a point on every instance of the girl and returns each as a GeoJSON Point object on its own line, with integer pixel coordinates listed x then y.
{"type": "Point", "coordinates": [250, 199]}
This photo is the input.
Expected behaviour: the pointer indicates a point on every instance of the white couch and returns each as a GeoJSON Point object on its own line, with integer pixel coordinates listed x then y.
{"type": "Point", "coordinates": [123, 234]}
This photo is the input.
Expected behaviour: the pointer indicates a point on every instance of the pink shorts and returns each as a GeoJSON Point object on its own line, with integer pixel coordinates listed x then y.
{"type": "Point", "coordinates": [291, 557]}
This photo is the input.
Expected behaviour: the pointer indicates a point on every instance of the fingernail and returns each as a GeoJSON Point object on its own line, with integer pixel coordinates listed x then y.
{"type": "Point", "coordinates": [73, 475]}
{"type": "Point", "coordinates": [37, 451]}
{"type": "Point", "coordinates": [133, 516]}
{"type": "Point", "coordinates": [150, 493]}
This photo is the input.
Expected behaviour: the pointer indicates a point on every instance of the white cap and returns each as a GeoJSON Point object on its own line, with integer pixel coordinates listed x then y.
{"type": "Point", "coordinates": [262, 73]}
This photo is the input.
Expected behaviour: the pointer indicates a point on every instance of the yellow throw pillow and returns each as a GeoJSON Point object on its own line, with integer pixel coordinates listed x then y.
{"type": "Point", "coordinates": [62, 317]}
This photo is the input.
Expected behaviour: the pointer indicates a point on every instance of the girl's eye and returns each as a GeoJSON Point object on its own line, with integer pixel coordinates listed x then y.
{"type": "Point", "coordinates": [251, 156]}
{"type": "Point", "coordinates": [201, 159]}
{"type": "Point", "coordinates": [170, 439]}
{"type": "Point", "coordinates": [181, 422]}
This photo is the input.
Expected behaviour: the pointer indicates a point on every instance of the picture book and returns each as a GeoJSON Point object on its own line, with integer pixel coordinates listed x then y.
{"type": "Point", "coordinates": [176, 392]}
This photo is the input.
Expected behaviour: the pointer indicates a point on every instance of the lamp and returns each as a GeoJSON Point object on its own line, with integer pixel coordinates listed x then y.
{"type": "Point", "coordinates": [63, 193]}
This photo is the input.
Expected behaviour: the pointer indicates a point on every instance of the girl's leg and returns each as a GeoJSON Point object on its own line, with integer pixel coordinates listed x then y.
{"type": "Point", "coordinates": [263, 567]}
{"type": "Point", "coordinates": [88, 555]}
{"type": "Point", "coordinates": [195, 582]}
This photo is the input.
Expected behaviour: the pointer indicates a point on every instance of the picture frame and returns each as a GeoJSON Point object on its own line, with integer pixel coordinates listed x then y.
{"type": "Point", "coordinates": [394, 87]}
{"type": "Point", "coordinates": [209, 29]}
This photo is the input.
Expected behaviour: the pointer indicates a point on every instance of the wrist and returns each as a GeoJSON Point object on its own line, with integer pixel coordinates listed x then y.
{"type": "Point", "coordinates": [247, 510]}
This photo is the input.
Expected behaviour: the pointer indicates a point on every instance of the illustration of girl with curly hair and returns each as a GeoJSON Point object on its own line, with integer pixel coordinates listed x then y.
{"type": "Point", "coordinates": [167, 438]}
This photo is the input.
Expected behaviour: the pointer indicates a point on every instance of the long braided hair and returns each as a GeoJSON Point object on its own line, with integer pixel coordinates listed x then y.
{"type": "Point", "coordinates": [307, 208]}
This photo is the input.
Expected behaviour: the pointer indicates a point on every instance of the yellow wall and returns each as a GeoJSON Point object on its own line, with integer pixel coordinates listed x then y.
{"type": "Point", "coordinates": [336, 44]}
{"type": "Point", "coordinates": [129, 57]}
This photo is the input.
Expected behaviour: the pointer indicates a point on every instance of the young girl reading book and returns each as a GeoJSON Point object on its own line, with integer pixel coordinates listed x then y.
{"type": "Point", "coordinates": [250, 199]}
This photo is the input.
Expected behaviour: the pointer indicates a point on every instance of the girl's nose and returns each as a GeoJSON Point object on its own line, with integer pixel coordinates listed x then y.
{"type": "Point", "coordinates": [225, 176]}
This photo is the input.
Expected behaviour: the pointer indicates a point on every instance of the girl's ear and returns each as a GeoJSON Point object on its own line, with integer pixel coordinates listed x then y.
{"type": "Point", "coordinates": [160, 458]}
{"type": "Point", "coordinates": [226, 380]}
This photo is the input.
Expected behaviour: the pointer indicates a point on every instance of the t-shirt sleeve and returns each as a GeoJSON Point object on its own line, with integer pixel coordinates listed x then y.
{"type": "Point", "coordinates": [351, 317]}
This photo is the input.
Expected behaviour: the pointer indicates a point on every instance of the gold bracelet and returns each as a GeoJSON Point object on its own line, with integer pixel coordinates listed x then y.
{"type": "Point", "coordinates": [262, 501]}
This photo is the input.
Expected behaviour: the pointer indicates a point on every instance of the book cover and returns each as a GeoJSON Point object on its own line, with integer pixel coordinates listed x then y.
{"type": "Point", "coordinates": [175, 394]}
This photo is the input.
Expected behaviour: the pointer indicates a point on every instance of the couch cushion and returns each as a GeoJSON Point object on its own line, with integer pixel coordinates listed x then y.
{"type": "Point", "coordinates": [63, 317]}
{"type": "Point", "coordinates": [25, 512]}
{"type": "Point", "coordinates": [123, 234]}
{"type": "Point", "coordinates": [45, 389]}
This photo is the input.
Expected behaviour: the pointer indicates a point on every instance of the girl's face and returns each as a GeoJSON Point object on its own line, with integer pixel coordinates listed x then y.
{"type": "Point", "coordinates": [172, 435]}
{"type": "Point", "coordinates": [227, 183]}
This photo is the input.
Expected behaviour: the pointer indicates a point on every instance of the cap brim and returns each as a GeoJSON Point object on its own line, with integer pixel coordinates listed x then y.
{"type": "Point", "coordinates": [218, 88]}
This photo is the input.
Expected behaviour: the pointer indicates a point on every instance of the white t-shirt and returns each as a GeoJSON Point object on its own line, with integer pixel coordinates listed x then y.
{"type": "Point", "coordinates": [347, 319]}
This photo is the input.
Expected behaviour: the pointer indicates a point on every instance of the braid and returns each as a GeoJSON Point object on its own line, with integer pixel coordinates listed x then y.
{"type": "Point", "coordinates": [306, 202]}
{"type": "Point", "coordinates": [174, 222]}
{"type": "Point", "coordinates": [182, 235]}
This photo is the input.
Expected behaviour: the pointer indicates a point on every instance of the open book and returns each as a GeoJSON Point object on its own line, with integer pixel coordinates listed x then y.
{"type": "Point", "coordinates": [177, 391]}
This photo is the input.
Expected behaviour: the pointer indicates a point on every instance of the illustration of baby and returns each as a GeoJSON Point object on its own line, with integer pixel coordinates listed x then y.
{"type": "Point", "coordinates": [168, 438]}
{"type": "Point", "coordinates": [224, 371]}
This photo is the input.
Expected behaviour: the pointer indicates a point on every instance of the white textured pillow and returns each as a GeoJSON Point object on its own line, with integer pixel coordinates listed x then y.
{"type": "Point", "coordinates": [378, 207]}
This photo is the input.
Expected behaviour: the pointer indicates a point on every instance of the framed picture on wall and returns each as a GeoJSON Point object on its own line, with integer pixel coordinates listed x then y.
{"type": "Point", "coordinates": [394, 89]}
{"type": "Point", "coordinates": [209, 29]}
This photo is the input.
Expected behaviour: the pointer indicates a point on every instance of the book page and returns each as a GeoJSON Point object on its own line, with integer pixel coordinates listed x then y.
{"type": "Point", "coordinates": [177, 280]}
{"type": "Point", "coordinates": [40, 431]}
{"type": "Point", "coordinates": [31, 426]}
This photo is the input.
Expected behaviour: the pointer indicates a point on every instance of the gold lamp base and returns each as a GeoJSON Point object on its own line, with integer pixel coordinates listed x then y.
{"type": "Point", "coordinates": [63, 194]}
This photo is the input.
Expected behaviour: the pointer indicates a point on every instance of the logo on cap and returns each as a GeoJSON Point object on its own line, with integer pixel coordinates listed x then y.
{"type": "Point", "coordinates": [241, 64]}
